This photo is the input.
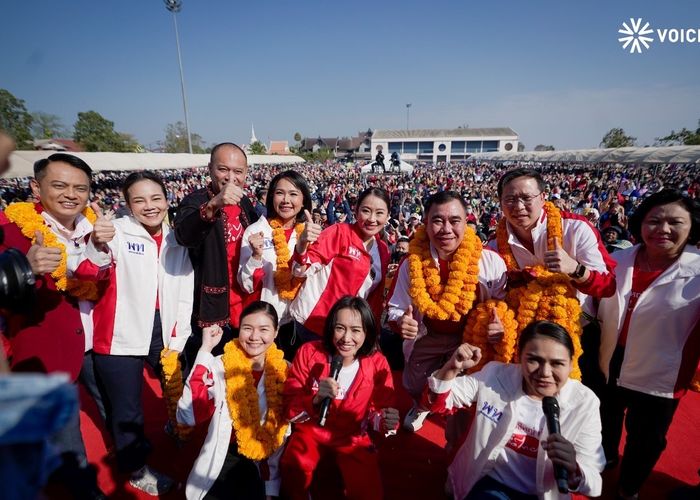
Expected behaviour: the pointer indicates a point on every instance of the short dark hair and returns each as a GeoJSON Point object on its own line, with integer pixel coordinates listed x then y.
{"type": "Point", "coordinates": [547, 329]}
{"type": "Point", "coordinates": [299, 182]}
{"type": "Point", "coordinates": [521, 172]}
{"type": "Point", "coordinates": [260, 306]}
{"type": "Point", "coordinates": [374, 191]}
{"type": "Point", "coordinates": [223, 145]}
{"type": "Point", "coordinates": [664, 197]}
{"type": "Point", "coordinates": [403, 239]}
{"type": "Point", "coordinates": [74, 161]}
{"type": "Point", "coordinates": [369, 324]}
{"type": "Point", "coordinates": [144, 175]}
{"type": "Point", "coordinates": [442, 197]}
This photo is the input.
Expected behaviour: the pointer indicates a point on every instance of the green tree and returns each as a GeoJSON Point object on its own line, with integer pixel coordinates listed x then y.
{"type": "Point", "coordinates": [297, 136]}
{"type": "Point", "coordinates": [47, 126]}
{"type": "Point", "coordinates": [176, 140]}
{"type": "Point", "coordinates": [96, 133]}
{"type": "Point", "coordinates": [543, 147]}
{"type": "Point", "coordinates": [616, 138]}
{"type": "Point", "coordinates": [258, 148]}
{"type": "Point", "coordinates": [15, 120]}
{"type": "Point", "coordinates": [521, 147]}
{"type": "Point", "coordinates": [683, 137]}
{"type": "Point", "coordinates": [323, 154]}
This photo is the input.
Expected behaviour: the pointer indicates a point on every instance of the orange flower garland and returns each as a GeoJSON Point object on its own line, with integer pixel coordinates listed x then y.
{"type": "Point", "coordinates": [171, 378]}
{"type": "Point", "coordinates": [287, 285]}
{"type": "Point", "coordinates": [255, 441]}
{"type": "Point", "coordinates": [475, 332]}
{"type": "Point", "coordinates": [456, 298]}
{"type": "Point", "coordinates": [29, 221]}
{"type": "Point", "coordinates": [549, 296]}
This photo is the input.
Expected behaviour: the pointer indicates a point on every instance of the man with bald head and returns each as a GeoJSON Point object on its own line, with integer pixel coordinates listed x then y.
{"type": "Point", "coordinates": [210, 222]}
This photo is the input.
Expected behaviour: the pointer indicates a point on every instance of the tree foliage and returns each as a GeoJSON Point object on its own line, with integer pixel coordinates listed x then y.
{"type": "Point", "coordinates": [257, 148]}
{"type": "Point", "coordinates": [544, 147]}
{"type": "Point", "coordinates": [683, 137]}
{"type": "Point", "coordinates": [323, 154]}
{"type": "Point", "coordinates": [176, 140]}
{"type": "Point", "coordinates": [15, 120]}
{"type": "Point", "coordinates": [297, 136]}
{"type": "Point", "coordinates": [47, 126]}
{"type": "Point", "coordinates": [96, 133]}
{"type": "Point", "coordinates": [616, 138]}
{"type": "Point", "coordinates": [521, 147]}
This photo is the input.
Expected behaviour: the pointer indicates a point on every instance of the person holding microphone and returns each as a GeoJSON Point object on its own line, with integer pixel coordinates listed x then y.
{"type": "Point", "coordinates": [510, 451]}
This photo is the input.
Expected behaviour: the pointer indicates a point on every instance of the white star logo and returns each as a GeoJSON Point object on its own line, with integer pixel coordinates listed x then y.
{"type": "Point", "coordinates": [635, 35]}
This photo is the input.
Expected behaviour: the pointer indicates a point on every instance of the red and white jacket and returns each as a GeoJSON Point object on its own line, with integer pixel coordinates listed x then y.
{"type": "Point", "coordinates": [663, 344]}
{"type": "Point", "coordinates": [582, 242]}
{"type": "Point", "coordinates": [256, 274]}
{"type": "Point", "coordinates": [338, 265]}
{"type": "Point", "coordinates": [123, 317]}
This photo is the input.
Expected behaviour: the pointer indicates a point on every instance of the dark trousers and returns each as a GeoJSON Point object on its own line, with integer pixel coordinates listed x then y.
{"type": "Point", "coordinates": [646, 421]}
{"type": "Point", "coordinates": [287, 340]}
{"type": "Point", "coordinates": [122, 378]}
{"type": "Point", "coordinates": [298, 336]}
{"type": "Point", "coordinates": [239, 479]}
{"type": "Point", "coordinates": [488, 488]}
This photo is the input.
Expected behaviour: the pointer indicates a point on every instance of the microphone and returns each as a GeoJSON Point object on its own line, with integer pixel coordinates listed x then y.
{"type": "Point", "coordinates": [550, 406]}
{"type": "Point", "coordinates": [336, 365]}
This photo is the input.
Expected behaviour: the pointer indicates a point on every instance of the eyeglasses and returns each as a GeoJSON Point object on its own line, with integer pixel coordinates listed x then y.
{"type": "Point", "coordinates": [526, 199]}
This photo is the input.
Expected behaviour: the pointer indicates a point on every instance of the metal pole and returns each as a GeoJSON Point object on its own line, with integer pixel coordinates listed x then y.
{"type": "Point", "coordinates": [408, 107]}
{"type": "Point", "coordinates": [174, 7]}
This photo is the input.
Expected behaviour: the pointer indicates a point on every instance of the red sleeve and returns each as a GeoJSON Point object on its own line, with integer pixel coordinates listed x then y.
{"type": "Point", "coordinates": [202, 405]}
{"type": "Point", "coordinates": [299, 387]}
{"type": "Point", "coordinates": [383, 393]}
{"type": "Point", "coordinates": [89, 271]}
{"type": "Point", "coordinates": [436, 403]}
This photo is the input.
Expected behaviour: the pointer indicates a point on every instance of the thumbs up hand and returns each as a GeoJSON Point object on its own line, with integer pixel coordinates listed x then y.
{"type": "Point", "coordinates": [407, 325]}
{"type": "Point", "coordinates": [494, 330]}
{"type": "Point", "coordinates": [257, 242]}
{"type": "Point", "coordinates": [310, 233]}
{"type": "Point", "coordinates": [41, 258]}
{"type": "Point", "coordinates": [558, 261]}
{"type": "Point", "coordinates": [103, 229]}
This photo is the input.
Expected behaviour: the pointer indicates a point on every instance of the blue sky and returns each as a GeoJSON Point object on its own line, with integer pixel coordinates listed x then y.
{"type": "Point", "coordinates": [552, 71]}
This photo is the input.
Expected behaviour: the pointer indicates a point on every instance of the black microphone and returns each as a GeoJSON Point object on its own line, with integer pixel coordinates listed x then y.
{"type": "Point", "coordinates": [550, 406]}
{"type": "Point", "coordinates": [336, 365]}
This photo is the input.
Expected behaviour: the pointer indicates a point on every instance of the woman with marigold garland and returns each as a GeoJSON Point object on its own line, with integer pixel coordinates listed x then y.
{"type": "Point", "coordinates": [509, 452]}
{"type": "Point", "coordinates": [343, 259]}
{"type": "Point", "coordinates": [241, 392]}
{"type": "Point", "coordinates": [267, 247]}
{"type": "Point", "coordinates": [362, 398]}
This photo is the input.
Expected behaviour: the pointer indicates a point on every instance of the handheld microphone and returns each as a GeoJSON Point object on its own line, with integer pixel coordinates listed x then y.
{"type": "Point", "coordinates": [336, 365]}
{"type": "Point", "coordinates": [550, 406]}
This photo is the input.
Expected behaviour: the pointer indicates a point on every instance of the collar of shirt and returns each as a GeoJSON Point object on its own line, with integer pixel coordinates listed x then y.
{"type": "Point", "coordinates": [65, 235]}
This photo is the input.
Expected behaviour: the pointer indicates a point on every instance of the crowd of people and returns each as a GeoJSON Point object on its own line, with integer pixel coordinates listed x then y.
{"type": "Point", "coordinates": [268, 299]}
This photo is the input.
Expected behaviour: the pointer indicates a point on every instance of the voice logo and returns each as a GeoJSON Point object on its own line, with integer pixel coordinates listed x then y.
{"type": "Point", "coordinates": [639, 34]}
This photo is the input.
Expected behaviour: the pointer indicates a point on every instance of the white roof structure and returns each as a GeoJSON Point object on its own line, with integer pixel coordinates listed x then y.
{"type": "Point", "coordinates": [404, 168]}
{"type": "Point", "coordinates": [667, 154]}
{"type": "Point", "coordinates": [22, 162]}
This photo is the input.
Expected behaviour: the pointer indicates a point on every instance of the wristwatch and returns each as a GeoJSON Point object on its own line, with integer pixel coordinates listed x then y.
{"type": "Point", "coordinates": [579, 272]}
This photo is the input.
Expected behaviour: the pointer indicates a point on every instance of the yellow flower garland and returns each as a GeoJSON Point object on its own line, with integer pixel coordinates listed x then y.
{"type": "Point", "coordinates": [456, 298]}
{"type": "Point", "coordinates": [549, 296]}
{"type": "Point", "coordinates": [255, 441]}
{"type": "Point", "coordinates": [287, 285]}
{"type": "Point", "coordinates": [171, 377]}
{"type": "Point", "coordinates": [29, 221]}
{"type": "Point", "coordinates": [475, 332]}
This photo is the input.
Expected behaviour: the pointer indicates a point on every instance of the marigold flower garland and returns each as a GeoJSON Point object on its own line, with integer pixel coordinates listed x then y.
{"type": "Point", "coordinates": [475, 332]}
{"type": "Point", "coordinates": [287, 285]}
{"type": "Point", "coordinates": [29, 221]}
{"type": "Point", "coordinates": [456, 298]}
{"type": "Point", "coordinates": [255, 440]}
{"type": "Point", "coordinates": [171, 377]}
{"type": "Point", "coordinates": [549, 296]}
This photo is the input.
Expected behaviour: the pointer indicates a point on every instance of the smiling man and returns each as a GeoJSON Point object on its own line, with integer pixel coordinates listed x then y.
{"type": "Point", "coordinates": [210, 222]}
{"type": "Point", "coordinates": [429, 338]}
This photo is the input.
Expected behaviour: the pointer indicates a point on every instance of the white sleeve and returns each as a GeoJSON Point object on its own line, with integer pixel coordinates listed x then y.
{"type": "Point", "coordinates": [399, 300]}
{"type": "Point", "coordinates": [183, 325]}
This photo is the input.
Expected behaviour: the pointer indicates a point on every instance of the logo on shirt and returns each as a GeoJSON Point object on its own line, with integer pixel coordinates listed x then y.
{"type": "Point", "coordinates": [136, 248]}
{"type": "Point", "coordinates": [354, 253]}
{"type": "Point", "coordinates": [491, 412]}
{"type": "Point", "coordinates": [267, 244]}
{"type": "Point", "coordinates": [524, 441]}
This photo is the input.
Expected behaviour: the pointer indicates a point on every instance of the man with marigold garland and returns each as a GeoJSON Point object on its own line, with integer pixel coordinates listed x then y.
{"type": "Point", "coordinates": [446, 273]}
{"type": "Point", "coordinates": [54, 333]}
{"type": "Point", "coordinates": [540, 242]}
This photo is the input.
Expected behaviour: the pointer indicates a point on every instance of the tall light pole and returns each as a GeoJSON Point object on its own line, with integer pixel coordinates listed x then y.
{"type": "Point", "coordinates": [408, 107]}
{"type": "Point", "coordinates": [174, 6]}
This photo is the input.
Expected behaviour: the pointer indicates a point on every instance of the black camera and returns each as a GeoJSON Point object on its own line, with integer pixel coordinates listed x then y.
{"type": "Point", "coordinates": [16, 280]}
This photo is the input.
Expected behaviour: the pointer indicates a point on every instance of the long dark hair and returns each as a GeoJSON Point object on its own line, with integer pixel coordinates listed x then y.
{"type": "Point", "coordinates": [664, 197]}
{"type": "Point", "coordinates": [299, 182]}
{"type": "Point", "coordinates": [260, 306]}
{"type": "Point", "coordinates": [549, 330]}
{"type": "Point", "coordinates": [368, 324]}
{"type": "Point", "coordinates": [377, 192]}
{"type": "Point", "coordinates": [144, 175]}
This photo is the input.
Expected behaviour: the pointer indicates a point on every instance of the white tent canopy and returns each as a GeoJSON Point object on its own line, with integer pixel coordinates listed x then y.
{"type": "Point", "coordinates": [22, 162]}
{"type": "Point", "coordinates": [667, 154]}
{"type": "Point", "coordinates": [404, 168]}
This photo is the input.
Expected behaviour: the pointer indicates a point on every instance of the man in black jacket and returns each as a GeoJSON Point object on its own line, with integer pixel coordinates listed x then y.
{"type": "Point", "coordinates": [210, 222]}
